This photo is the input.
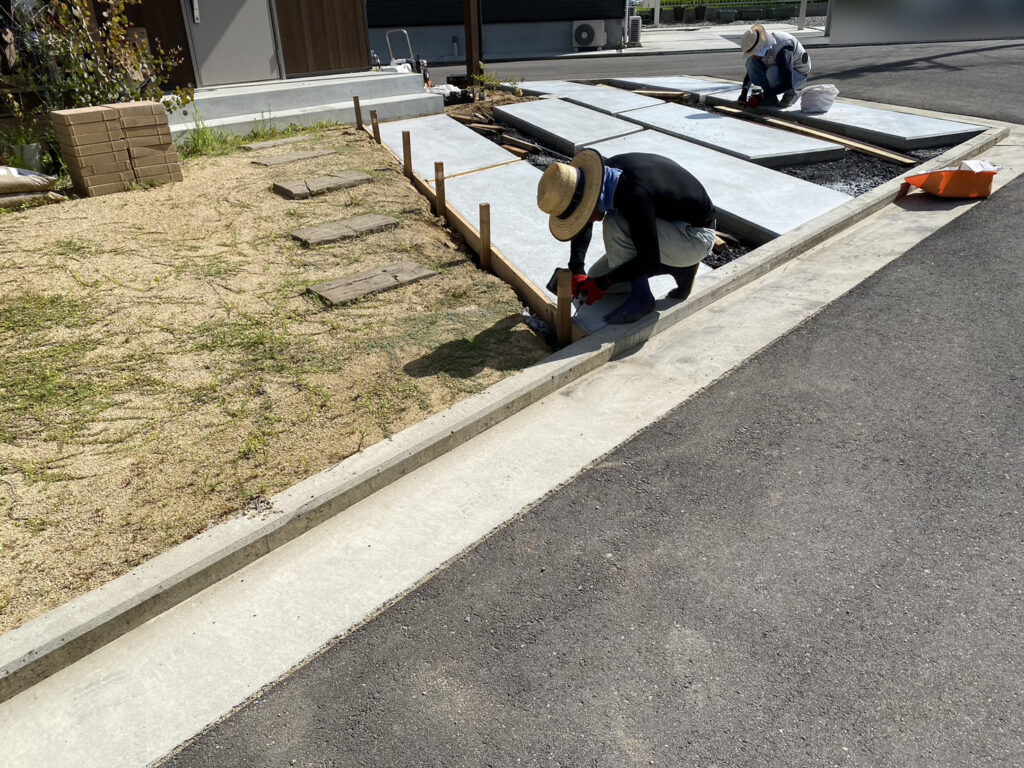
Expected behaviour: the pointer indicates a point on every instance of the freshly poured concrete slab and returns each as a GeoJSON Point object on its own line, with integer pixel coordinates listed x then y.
{"type": "Point", "coordinates": [438, 138]}
{"type": "Point", "coordinates": [612, 101]}
{"type": "Point", "coordinates": [759, 144]}
{"type": "Point", "coordinates": [519, 229]}
{"type": "Point", "coordinates": [565, 127]}
{"type": "Point", "coordinates": [694, 85]}
{"type": "Point", "coordinates": [887, 128]}
{"type": "Point", "coordinates": [884, 127]}
{"type": "Point", "coordinates": [755, 203]}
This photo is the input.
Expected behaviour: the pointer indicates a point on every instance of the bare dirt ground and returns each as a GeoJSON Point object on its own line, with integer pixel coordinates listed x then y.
{"type": "Point", "coordinates": [162, 366]}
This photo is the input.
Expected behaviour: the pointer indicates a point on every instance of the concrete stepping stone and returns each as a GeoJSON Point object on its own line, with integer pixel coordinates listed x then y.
{"type": "Point", "coordinates": [565, 127]}
{"type": "Point", "coordinates": [755, 203]}
{"type": "Point", "coordinates": [302, 190]}
{"type": "Point", "coordinates": [439, 138]}
{"type": "Point", "coordinates": [273, 143]}
{"type": "Point", "coordinates": [519, 229]}
{"type": "Point", "coordinates": [333, 231]}
{"type": "Point", "coordinates": [612, 101]}
{"type": "Point", "coordinates": [293, 158]}
{"type": "Point", "coordinates": [884, 127]}
{"type": "Point", "coordinates": [372, 281]}
{"type": "Point", "coordinates": [759, 144]}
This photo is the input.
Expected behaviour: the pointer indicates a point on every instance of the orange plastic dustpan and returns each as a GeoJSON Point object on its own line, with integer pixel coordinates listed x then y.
{"type": "Point", "coordinates": [954, 183]}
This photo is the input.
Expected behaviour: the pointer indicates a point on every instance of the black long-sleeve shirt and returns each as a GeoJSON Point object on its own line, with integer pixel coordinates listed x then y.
{"type": "Point", "coordinates": [651, 187]}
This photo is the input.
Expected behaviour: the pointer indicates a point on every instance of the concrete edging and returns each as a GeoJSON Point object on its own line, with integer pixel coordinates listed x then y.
{"type": "Point", "coordinates": [57, 639]}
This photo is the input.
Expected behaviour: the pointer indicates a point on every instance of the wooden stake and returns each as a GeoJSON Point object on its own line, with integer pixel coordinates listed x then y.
{"type": "Point", "coordinates": [563, 316]}
{"type": "Point", "coordinates": [440, 208]}
{"type": "Point", "coordinates": [358, 111]}
{"type": "Point", "coordinates": [376, 125]}
{"type": "Point", "coordinates": [485, 236]}
{"type": "Point", "coordinates": [407, 153]}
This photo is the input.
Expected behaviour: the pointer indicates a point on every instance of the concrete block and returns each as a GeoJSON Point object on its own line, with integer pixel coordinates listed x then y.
{"type": "Point", "coordinates": [756, 203]}
{"type": "Point", "coordinates": [302, 190]}
{"type": "Point", "coordinates": [565, 127]}
{"type": "Point", "coordinates": [759, 144]}
{"type": "Point", "coordinates": [333, 231]}
{"type": "Point", "coordinates": [611, 101]}
{"type": "Point", "coordinates": [439, 138]}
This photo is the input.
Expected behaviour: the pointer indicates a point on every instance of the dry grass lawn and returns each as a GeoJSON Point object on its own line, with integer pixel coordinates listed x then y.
{"type": "Point", "coordinates": [162, 366]}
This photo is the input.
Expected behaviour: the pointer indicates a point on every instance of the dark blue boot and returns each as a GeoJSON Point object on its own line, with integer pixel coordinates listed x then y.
{"type": "Point", "coordinates": [639, 303]}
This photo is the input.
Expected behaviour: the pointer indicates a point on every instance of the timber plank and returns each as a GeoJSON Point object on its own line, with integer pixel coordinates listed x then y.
{"type": "Point", "coordinates": [304, 189]}
{"type": "Point", "coordinates": [333, 231]}
{"type": "Point", "coordinates": [273, 143]}
{"type": "Point", "coordinates": [372, 281]}
{"type": "Point", "coordinates": [293, 158]}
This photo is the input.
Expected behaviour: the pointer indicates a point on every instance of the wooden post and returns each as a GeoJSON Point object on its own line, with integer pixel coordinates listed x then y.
{"type": "Point", "coordinates": [359, 113]}
{"type": "Point", "coordinates": [485, 236]}
{"type": "Point", "coordinates": [376, 125]}
{"type": "Point", "coordinates": [407, 153]}
{"type": "Point", "coordinates": [563, 313]}
{"type": "Point", "coordinates": [473, 24]}
{"type": "Point", "coordinates": [440, 209]}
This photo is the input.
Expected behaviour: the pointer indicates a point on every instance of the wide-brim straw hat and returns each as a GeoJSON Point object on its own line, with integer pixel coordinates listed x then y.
{"type": "Point", "coordinates": [753, 40]}
{"type": "Point", "coordinates": [568, 193]}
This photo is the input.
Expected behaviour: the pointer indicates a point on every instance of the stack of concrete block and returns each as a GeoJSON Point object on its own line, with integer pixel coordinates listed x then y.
{"type": "Point", "coordinates": [107, 148]}
{"type": "Point", "coordinates": [153, 154]}
{"type": "Point", "coordinates": [94, 148]}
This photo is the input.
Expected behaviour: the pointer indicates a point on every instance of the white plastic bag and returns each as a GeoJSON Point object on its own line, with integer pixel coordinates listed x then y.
{"type": "Point", "coordinates": [818, 98]}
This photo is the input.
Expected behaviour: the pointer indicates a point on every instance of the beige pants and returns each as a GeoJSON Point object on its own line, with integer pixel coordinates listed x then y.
{"type": "Point", "coordinates": [679, 244]}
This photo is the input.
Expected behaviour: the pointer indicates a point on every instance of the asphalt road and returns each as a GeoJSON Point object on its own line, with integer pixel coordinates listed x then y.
{"type": "Point", "coordinates": [981, 79]}
{"type": "Point", "coordinates": [815, 562]}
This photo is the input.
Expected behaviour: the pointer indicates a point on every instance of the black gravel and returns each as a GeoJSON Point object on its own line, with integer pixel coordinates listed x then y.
{"type": "Point", "coordinates": [856, 174]}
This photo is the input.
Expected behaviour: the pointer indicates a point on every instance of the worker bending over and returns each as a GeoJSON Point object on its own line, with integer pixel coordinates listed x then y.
{"type": "Point", "coordinates": [657, 217]}
{"type": "Point", "coordinates": [777, 63]}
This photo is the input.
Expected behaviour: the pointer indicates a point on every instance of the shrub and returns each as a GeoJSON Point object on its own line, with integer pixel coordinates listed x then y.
{"type": "Point", "coordinates": [69, 59]}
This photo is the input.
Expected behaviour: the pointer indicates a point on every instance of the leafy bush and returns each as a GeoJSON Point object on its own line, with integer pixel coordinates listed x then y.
{"type": "Point", "coordinates": [69, 59]}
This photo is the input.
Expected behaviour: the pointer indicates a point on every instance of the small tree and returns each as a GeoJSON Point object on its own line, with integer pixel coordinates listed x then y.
{"type": "Point", "coordinates": [70, 59]}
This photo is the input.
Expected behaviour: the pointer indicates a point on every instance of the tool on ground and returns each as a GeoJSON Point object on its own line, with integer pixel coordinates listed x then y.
{"type": "Point", "coordinates": [971, 179]}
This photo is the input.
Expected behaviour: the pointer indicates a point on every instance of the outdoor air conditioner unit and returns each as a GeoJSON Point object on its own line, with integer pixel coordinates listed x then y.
{"type": "Point", "coordinates": [589, 34]}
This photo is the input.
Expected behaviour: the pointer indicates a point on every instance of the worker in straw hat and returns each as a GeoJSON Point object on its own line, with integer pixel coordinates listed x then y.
{"type": "Point", "coordinates": [777, 63]}
{"type": "Point", "coordinates": [657, 218]}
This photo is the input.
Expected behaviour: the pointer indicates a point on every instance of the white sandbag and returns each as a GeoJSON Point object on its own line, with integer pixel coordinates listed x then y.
{"type": "Point", "coordinates": [14, 180]}
{"type": "Point", "coordinates": [815, 99]}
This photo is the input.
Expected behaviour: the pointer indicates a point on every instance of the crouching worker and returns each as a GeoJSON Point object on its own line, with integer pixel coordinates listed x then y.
{"type": "Point", "coordinates": [657, 220]}
{"type": "Point", "coordinates": [777, 63]}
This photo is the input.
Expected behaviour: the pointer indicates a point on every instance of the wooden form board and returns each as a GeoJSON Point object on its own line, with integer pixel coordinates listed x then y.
{"type": "Point", "coordinates": [372, 281]}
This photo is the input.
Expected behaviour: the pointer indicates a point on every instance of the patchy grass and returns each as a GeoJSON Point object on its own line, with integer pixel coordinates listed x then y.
{"type": "Point", "coordinates": [162, 364]}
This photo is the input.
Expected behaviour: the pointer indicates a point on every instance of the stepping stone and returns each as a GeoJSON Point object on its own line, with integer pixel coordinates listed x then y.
{"type": "Point", "coordinates": [611, 101]}
{"type": "Point", "coordinates": [765, 146]}
{"type": "Point", "coordinates": [884, 127]}
{"type": "Point", "coordinates": [566, 127]}
{"type": "Point", "coordinates": [293, 158]}
{"type": "Point", "coordinates": [340, 230]}
{"type": "Point", "coordinates": [373, 281]}
{"type": "Point", "coordinates": [519, 229]}
{"type": "Point", "coordinates": [755, 203]}
{"type": "Point", "coordinates": [438, 138]}
{"type": "Point", "coordinates": [302, 190]}
{"type": "Point", "coordinates": [274, 143]}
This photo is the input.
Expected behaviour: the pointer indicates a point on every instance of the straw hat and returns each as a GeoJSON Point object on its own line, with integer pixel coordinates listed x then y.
{"type": "Point", "coordinates": [753, 40]}
{"type": "Point", "coordinates": [568, 193]}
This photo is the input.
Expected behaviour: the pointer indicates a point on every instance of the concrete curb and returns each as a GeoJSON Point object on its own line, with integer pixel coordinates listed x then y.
{"type": "Point", "coordinates": [57, 639]}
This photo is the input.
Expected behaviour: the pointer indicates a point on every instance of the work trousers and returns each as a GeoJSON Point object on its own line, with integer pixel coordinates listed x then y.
{"type": "Point", "coordinates": [768, 78]}
{"type": "Point", "coordinates": [679, 244]}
